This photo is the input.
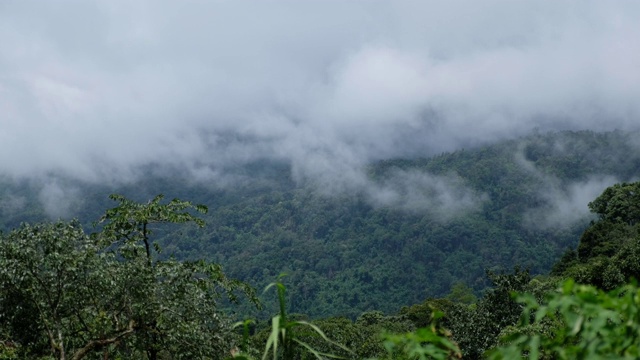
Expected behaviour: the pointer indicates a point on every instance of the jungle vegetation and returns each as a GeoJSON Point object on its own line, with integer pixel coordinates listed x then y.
{"type": "Point", "coordinates": [364, 281]}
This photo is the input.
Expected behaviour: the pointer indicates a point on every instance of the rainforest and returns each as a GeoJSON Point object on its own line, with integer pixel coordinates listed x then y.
{"type": "Point", "coordinates": [319, 179]}
{"type": "Point", "coordinates": [536, 212]}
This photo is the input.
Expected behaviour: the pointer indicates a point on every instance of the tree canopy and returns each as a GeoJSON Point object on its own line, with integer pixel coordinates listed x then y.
{"type": "Point", "coordinates": [70, 295]}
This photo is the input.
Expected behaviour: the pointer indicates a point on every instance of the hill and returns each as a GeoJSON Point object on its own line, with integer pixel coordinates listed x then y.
{"type": "Point", "coordinates": [410, 230]}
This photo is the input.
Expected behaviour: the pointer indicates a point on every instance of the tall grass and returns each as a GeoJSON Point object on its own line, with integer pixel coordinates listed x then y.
{"type": "Point", "coordinates": [284, 342]}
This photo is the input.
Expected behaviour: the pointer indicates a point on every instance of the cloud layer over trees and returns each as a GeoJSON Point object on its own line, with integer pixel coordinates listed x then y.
{"type": "Point", "coordinates": [94, 90]}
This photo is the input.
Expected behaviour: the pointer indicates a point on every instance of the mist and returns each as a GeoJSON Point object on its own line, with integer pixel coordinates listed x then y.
{"type": "Point", "coordinates": [442, 197]}
{"type": "Point", "coordinates": [567, 205]}
{"type": "Point", "coordinates": [96, 91]}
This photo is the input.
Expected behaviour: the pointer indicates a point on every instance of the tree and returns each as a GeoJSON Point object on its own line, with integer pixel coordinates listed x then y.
{"type": "Point", "coordinates": [576, 322]}
{"type": "Point", "coordinates": [477, 328]}
{"type": "Point", "coordinates": [128, 223]}
{"type": "Point", "coordinates": [619, 203]}
{"type": "Point", "coordinates": [128, 226]}
{"type": "Point", "coordinates": [54, 282]}
{"type": "Point", "coordinates": [106, 292]}
{"type": "Point", "coordinates": [432, 342]}
{"type": "Point", "coordinates": [608, 248]}
{"type": "Point", "coordinates": [461, 293]}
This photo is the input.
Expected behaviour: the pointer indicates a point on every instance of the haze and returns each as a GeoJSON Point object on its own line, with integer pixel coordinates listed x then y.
{"type": "Point", "coordinates": [96, 90]}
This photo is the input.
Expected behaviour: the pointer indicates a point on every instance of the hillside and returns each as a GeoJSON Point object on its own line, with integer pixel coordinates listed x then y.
{"type": "Point", "coordinates": [413, 229]}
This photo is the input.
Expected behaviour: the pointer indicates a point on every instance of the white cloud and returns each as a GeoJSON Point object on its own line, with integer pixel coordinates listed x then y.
{"type": "Point", "coordinates": [567, 205]}
{"type": "Point", "coordinates": [417, 192]}
{"type": "Point", "coordinates": [58, 199]}
{"type": "Point", "coordinates": [94, 90]}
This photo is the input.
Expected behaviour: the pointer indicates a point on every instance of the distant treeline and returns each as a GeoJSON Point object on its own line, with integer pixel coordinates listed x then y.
{"type": "Point", "coordinates": [517, 202]}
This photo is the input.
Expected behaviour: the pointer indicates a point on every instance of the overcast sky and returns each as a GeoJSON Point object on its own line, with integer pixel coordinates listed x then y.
{"type": "Point", "coordinates": [95, 89]}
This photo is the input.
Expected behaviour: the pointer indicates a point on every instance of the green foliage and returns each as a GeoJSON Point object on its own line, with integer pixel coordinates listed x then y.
{"type": "Point", "coordinates": [361, 338]}
{"type": "Point", "coordinates": [68, 295]}
{"type": "Point", "coordinates": [51, 275]}
{"type": "Point", "coordinates": [462, 294]}
{"type": "Point", "coordinates": [370, 325]}
{"type": "Point", "coordinates": [8, 351]}
{"type": "Point", "coordinates": [477, 328]}
{"type": "Point", "coordinates": [425, 343]}
{"type": "Point", "coordinates": [346, 255]}
{"type": "Point", "coordinates": [372, 336]}
{"type": "Point", "coordinates": [609, 248]}
{"type": "Point", "coordinates": [577, 322]}
{"type": "Point", "coordinates": [619, 203]}
{"type": "Point", "coordinates": [284, 341]}
{"type": "Point", "coordinates": [129, 221]}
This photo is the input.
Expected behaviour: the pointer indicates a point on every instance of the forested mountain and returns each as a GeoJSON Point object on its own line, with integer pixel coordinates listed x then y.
{"type": "Point", "coordinates": [411, 231]}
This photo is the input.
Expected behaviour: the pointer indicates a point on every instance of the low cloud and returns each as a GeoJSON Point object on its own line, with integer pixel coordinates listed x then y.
{"type": "Point", "coordinates": [565, 202]}
{"type": "Point", "coordinates": [98, 91]}
{"type": "Point", "coordinates": [567, 205]}
{"type": "Point", "coordinates": [59, 200]}
{"type": "Point", "coordinates": [10, 204]}
{"type": "Point", "coordinates": [443, 197]}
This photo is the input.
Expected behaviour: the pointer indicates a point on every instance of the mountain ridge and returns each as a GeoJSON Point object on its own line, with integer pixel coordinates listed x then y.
{"type": "Point", "coordinates": [410, 231]}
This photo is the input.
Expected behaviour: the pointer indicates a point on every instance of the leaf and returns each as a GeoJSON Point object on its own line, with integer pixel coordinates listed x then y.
{"type": "Point", "coordinates": [577, 325]}
{"type": "Point", "coordinates": [272, 341]}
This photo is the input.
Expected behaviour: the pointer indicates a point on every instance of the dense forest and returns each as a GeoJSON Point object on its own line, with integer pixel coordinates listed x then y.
{"type": "Point", "coordinates": [449, 218]}
{"type": "Point", "coordinates": [364, 279]}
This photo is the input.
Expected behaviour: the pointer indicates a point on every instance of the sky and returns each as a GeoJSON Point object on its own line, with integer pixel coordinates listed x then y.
{"type": "Point", "coordinates": [97, 90]}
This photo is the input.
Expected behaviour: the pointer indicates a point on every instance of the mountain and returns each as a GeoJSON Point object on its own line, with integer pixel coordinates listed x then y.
{"type": "Point", "coordinates": [407, 230]}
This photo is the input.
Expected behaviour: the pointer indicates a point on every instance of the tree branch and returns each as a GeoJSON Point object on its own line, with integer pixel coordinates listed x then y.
{"type": "Point", "coordinates": [146, 241]}
{"type": "Point", "coordinates": [98, 344]}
